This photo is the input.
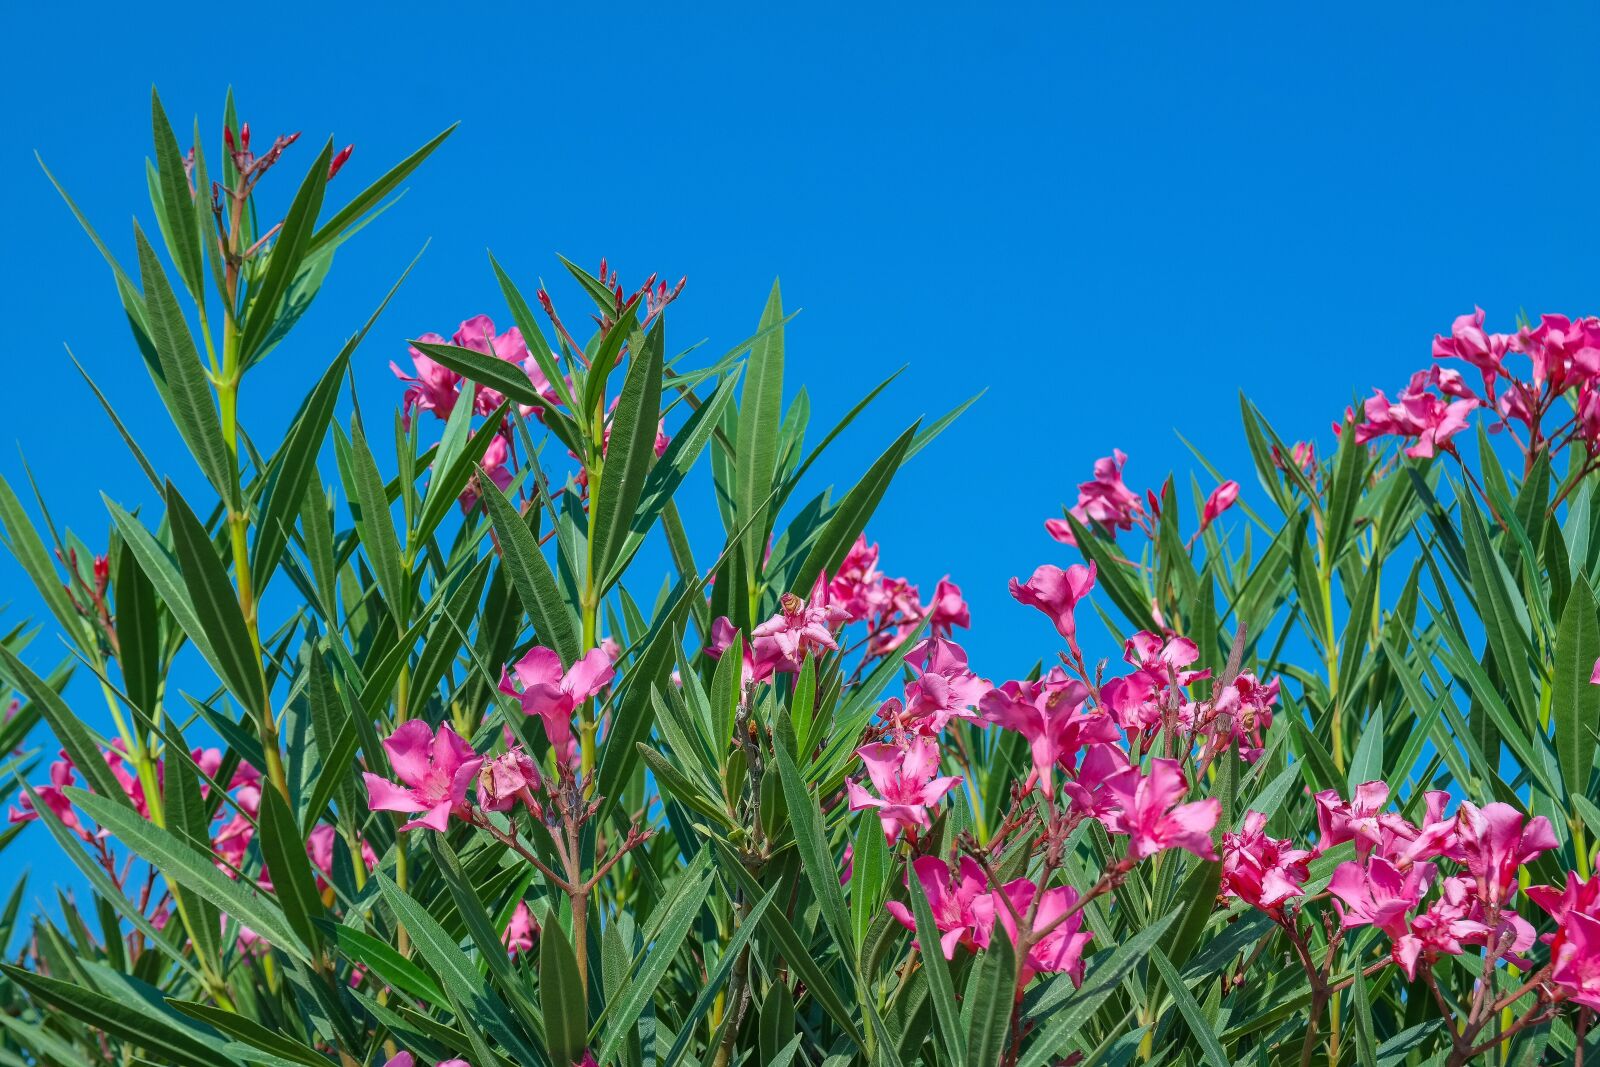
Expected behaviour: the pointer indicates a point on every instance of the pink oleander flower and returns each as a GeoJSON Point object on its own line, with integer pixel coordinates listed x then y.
{"type": "Point", "coordinates": [1357, 820]}
{"type": "Point", "coordinates": [434, 387]}
{"type": "Point", "coordinates": [948, 609]}
{"type": "Point", "coordinates": [1056, 592]}
{"type": "Point", "coordinates": [477, 333]}
{"type": "Point", "coordinates": [798, 629]}
{"type": "Point", "coordinates": [1576, 896]}
{"type": "Point", "coordinates": [1575, 960]}
{"type": "Point", "coordinates": [436, 768]}
{"type": "Point", "coordinates": [1470, 342]}
{"type": "Point", "coordinates": [61, 776]}
{"type": "Point", "coordinates": [757, 665]}
{"type": "Point", "coordinates": [1443, 928]}
{"type": "Point", "coordinates": [1493, 842]}
{"type": "Point", "coordinates": [520, 931]}
{"type": "Point", "coordinates": [943, 689]}
{"type": "Point", "coordinates": [951, 896]}
{"type": "Point", "coordinates": [1104, 499]}
{"type": "Point", "coordinates": [1060, 951]}
{"type": "Point", "coordinates": [1241, 712]}
{"type": "Point", "coordinates": [1089, 794]}
{"type": "Point", "coordinates": [1047, 713]}
{"type": "Point", "coordinates": [1221, 499]}
{"type": "Point", "coordinates": [857, 587]}
{"type": "Point", "coordinates": [899, 616]}
{"type": "Point", "coordinates": [1262, 871]}
{"type": "Point", "coordinates": [231, 840]}
{"type": "Point", "coordinates": [1139, 700]}
{"type": "Point", "coordinates": [1418, 414]}
{"type": "Point", "coordinates": [508, 777]}
{"type": "Point", "coordinates": [1153, 816]}
{"type": "Point", "coordinates": [1378, 894]}
{"type": "Point", "coordinates": [1563, 352]}
{"type": "Point", "coordinates": [907, 779]}
{"type": "Point", "coordinates": [552, 693]}
{"type": "Point", "coordinates": [405, 1059]}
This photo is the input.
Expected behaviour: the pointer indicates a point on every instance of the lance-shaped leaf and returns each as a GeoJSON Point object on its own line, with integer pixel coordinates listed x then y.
{"type": "Point", "coordinates": [508, 379]}
{"type": "Point", "coordinates": [80, 743]}
{"type": "Point", "coordinates": [531, 576]}
{"type": "Point", "coordinates": [215, 607]}
{"type": "Point", "coordinates": [375, 523]}
{"type": "Point", "coordinates": [249, 1032]}
{"type": "Point", "coordinates": [129, 1019]}
{"type": "Point", "coordinates": [176, 205]}
{"type": "Point", "coordinates": [561, 994]}
{"type": "Point", "coordinates": [195, 869]}
{"type": "Point", "coordinates": [627, 458]}
{"type": "Point", "coordinates": [368, 198]}
{"type": "Point", "coordinates": [991, 996]}
{"type": "Point", "coordinates": [188, 391]}
{"type": "Point", "coordinates": [682, 909]}
{"type": "Point", "coordinates": [1574, 700]}
{"type": "Point", "coordinates": [284, 851]}
{"type": "Point", "coordinates": [850, 517]}
{"type": "Point", "coordinates": [945, 1012]}
{"type": "Point", "coordinates": [1200, 1027]}
{"type": "Point", "coordinates": [810, 838]}
{"type": "Point", "coordinates": [23, 541]}
{"type": "Point", "coordinates": [289, 250]}
{"type": "Point", "coordinates": [760, 416]}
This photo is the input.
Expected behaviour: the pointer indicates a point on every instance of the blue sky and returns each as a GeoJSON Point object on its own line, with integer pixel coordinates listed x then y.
{"type": "Point", "coordinates": [1113, 221]}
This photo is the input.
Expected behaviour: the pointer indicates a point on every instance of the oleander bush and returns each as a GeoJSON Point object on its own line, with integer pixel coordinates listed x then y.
{"type": "Point", "coordinates": [434, 764]}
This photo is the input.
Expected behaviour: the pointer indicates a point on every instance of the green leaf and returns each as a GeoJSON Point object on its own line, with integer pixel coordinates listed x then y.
{"type": "Point", "coordinates": [688, 898]}
{"type": "Point", "coordinates": [129, 1019]}
{"type": "Point", "coordinates": [566, 1015]}
{"type": "Point", "coordinates": [289, 251]}
{"type": "Point", "coordinates": [760, 415]}
{"type": "Point", "coordinates": [627, 460]}
{"type": "Point", "coordinates": [1574, 700]}
{"type": "Point", "coordinates": [945, 1013]}
{"type": "Point", "coordinates": [179, 219]}
{"type": "Point", "coordinates": [508, 379]}
{"type": "Point", "coordinates": [215, 607]}
{"type": "Point", "coordinates": [1505, 618]}
{"type": "Point", "coordinates": [381, 958]}
{"type": "Point", "coordinates": [1366, 764]}
{"type": "Point", "coordinates": [815, 856]}
{"type": "Point", "coordinates": [196, 870]}
{"type": "Point", "coordinates": [250, 1032]}
{"type": "Point", "coordinates": [158, 566]}
{"type": "Point", "coordinates": [369, 197]}
{"type": "Point", "coordinates": [990, 998]}
{"type": "Point", "coordinates": [1106, 979]}
{"type": "Point", "coordinates": [531, 576]}
{"type": "Point", "coordinates": [23, 541]}
{"type": "Point", "coordinates": [376, 524]}
{"type": "Point", "coordinates": [1199, 1026]}
{"type": "Point", "coordinates": [850, 518]}
{"type": "Point", "coordinates": [81, 744]}
{"type": "Point", "coordinates": [187, 390]}
{"type": "Point", "coordinates": [293, 879]}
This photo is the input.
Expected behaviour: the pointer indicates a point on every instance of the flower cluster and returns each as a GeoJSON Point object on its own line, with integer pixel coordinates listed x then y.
{"type": "Point", "coordinates": [1554, 403]}
{"type": "Point", "coordinates": [1106, 503]}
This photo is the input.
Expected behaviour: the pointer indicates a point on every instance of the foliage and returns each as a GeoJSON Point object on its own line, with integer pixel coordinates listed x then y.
{"type": "Point", "coordinates": [478, 794]}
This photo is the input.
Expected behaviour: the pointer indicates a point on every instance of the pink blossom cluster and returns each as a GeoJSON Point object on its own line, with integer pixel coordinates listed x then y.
{"type": "Point", "coordinates": [1106, 503]}
{"type": "Point", "coordinates": [1552, 403]}
{"type": "Point", "coordinates": [1087, 743]}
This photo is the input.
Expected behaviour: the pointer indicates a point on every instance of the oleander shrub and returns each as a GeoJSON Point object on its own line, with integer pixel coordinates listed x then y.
{"type": "Point", "coordinates": [433, 764]}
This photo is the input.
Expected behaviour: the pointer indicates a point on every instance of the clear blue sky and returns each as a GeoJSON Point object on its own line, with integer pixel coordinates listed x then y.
{"type": "Point", "coordinates": [1111, 222]}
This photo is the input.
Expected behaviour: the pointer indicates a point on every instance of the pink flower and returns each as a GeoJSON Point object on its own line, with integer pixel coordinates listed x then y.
{"type": "Point", "coordinates": [1153, 817]}
{"type": "Point", "coordinates": [1047, 714]}
{"type": "Point", "coordinates": [1262, 871]}
{"type": "Point", "coordinates": [950, 895]}
{"type": "Point", "coordinates": [1056, 592]}
{"type": "Point", "coordinates": [1104, 499]}
{"type": "Point", "coordinates": [1416, 413]}
{"type": "Point", "coordinates": [520, 931]}
{"type": "Point", "coordinates": [1469, 341]}
{"type": "Point", "coordinates": [436, 768]}
{"type": "Point", "coordinates": [61, 776]}
{"type": "Point", "coordinates": [1378, 894]}
{"type": "Point", "coordinates": [1564, 353]}
{"type": "Point", "coordinates": [1493, 842]}
{"type": "Point", "coordinates": [552, 693]}
{"type": "Point", "coordinates": [404, 1059]}
{"type": "Point", "coordinates": [1241, 712]}
{"type": "Point", "coordinates": [798, 629]}
{"type": "Point", "coordinates": [505, 778]}
{"type": "Point", "coordinates": [1060, 950]}
{"type": "Point", "coordinates": [1575, 960]}
{"type": "Point", "coordinates": [433, 388]}
{"type": "Point", "coordinates": [948, 609]}
{"type": "Point", "coordinates": [1338, 822]}
{"type": "Point", "coordinates": [944, 689]}
{"type": "Point", "coordinates": [494, 467]}
{"type": "Point", "coordinates": [1089, 794]}
{"type": "Point", "coordinates": [908, 783]}
{"type": "Point", "coordinates": [857, 587]}
{"type": "Point", "coordinates": [477, 333]}
{"type": "Point", "coordinates": [1221, 499]}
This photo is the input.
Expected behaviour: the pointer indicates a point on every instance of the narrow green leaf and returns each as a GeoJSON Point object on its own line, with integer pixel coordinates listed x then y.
{"type": "Point", "coordinates": [531, 576]}
{"type": "Point", "coordinates": [945, 1012]}
{"type": "Point", "coordinates": [131, 1020]}
{"type": "Point", "coordinates": [566, 1015]}
{"type": "Point", "coordinates": [1199, 1026]}
{"type": "Point", "coordinates": [627, 459]}
{"type": "Point", "coordinates": [1574, 700]}
{"type": "Point", "coordinates": [990, 998]}
{"type": "Point", "coordinates": [365, 200]}
{"type": "Point", "coordinates": [760, 415]}
{"type": "Point", "coordinates": [215, 606]}
{"type": "Point", "coordinates": [289, 251]}
{"type": "Point", "coordinates": [293, 878]}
